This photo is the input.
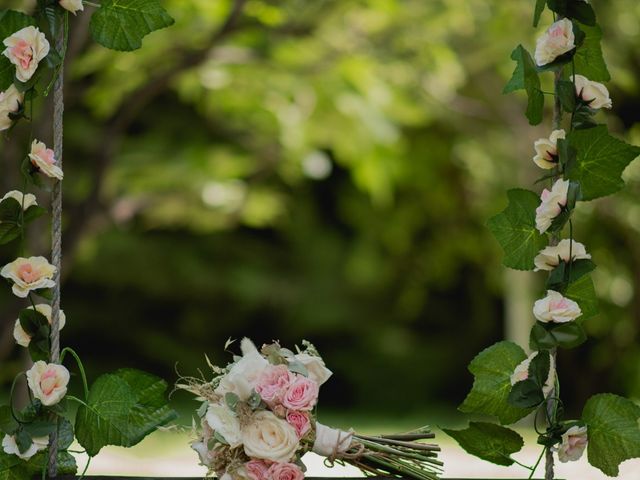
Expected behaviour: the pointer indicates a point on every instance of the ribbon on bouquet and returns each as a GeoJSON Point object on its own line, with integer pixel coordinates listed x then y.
{"type": "Point", "coordinates": [335, 444]}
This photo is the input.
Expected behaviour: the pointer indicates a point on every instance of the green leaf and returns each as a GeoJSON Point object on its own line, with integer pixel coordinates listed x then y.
{"type": "Point", "coordinates": [122, 24]}
{"type": "Point", "coordinates": [526, 394]}
{"type": "Point", "coordinates": [492, 369]}
{"type": "Point", "coordinates": [66, 464]}
{"type": "Point", "coordinates": [525, 77]}
{"type": "Point", "coordinates": [552, 335]}
{"type": "Point", "coordinates": [515, 230]}
{"type": "Point", "coordinates": [123, 408]}
{"type": "Point", "coordinates": [8, 424]}
{"type": "Point", "coordinates": [540, 4]}
{"type": "Point", "coordinates": [613, 430]}
{"type": "Point", "coordinates": [564, 274]}
{"type": "Point", "coordinates": [489, 442]}
{"type": "Point", "coordinates": [12, 468]}
{"type": "Point", "coordinates": [574, 9]}
{"type": "Point", "coordinates": [583, 293]}
{"type": "Point", "coordinates": [567, 95]}
{"type": "Point", "coordinates": [600, 161]}
{"type": "Point", "coordinates": [589, 60]}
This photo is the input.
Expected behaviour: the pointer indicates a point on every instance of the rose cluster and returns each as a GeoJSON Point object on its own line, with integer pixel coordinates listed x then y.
{"type": "Point", "coordinates": [257, 418]}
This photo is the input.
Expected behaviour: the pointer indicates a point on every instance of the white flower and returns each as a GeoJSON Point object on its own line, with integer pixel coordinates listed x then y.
{"type": "Point", "coordinates": [268, 437]}
{"type": "Point", "coordinates": [48, 382]}
{"type": "Point", "coordinates": [22, 338]}
{"type": "Point", "coordinates": [556, 308]}
{"type": "Point", "coordinates": [244, 374]}
{"type": "Point", "coordinates": [72, 5]}
{"type": "Point", "coordinates": [557, 40]}
{"type": "Point", "coordinates": [550, 257]}
{"type": "Point", "coordinates": [574, 441]}
{"type": "Point", "coordinates": [318, 372]}
{"type": "Point", "coordinates": [521, 373]}
{"type": "Point", "coordinates": [10, 446]}
{"type": "Point", "coordinates": [29, 274]}
{"type": "Point", "coordinates": [10, 101]}
{"type": "Point", "coordinates": [547, 150]}
{"type": "Point", "coordinates": [202, 446]}
{"type": "Point", "coordinates": [222, 420]}
{"type": "Point", "coordinates": [25, 49]}
{"type": "Point", "coordinates": [44, 158]}
{"type": "Point", "coordinates": [28, 202]}
{"type": "Point", "coordinates": [551, 205]}
{"type": "Point", "coordinates": [594, 93]}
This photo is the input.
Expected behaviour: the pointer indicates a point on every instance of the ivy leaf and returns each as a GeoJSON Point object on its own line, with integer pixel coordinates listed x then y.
{"type": "Point", "coordinates": [552, 335]}
{"type": "Point", "coordinates": [567, 95]}
{"type": "Point", "coordinates": [525, 77]}
{"type": "Point", "coordinates": [600, 161]}
{"type": "Point", "coordinates": [488, 441]}
{"type": "Point", "coordinates": [575, 9]}
{"type": "Point", "coordinates": [614, 431]}
{"type": "Point", "coordinates": [10, 22]}
{"type": "Point", "coordinates": [12, 468]}
{"type": "Point", "coordinates": [122, 24]}
{"type": "Point", "coordinates": [589, 60]}
{"type": "Point", "coordinates": [515, 230]}
{"type": "Point", "coordinates": [492, 369]}
{"type": "Point", "coordinates": [8, 424]}
{"type": "Point", "coordinates": [123, 408]}
{"type": "Point", "coordinates": [583, 293]}
{"type": "Point", "coordinates": [540, 4]}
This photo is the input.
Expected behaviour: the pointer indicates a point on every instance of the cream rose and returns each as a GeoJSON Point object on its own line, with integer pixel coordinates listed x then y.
{"type": "Point", "coordinates": [29, 274]}
{"type": "Point", "coordinates": [72, 5]}
{"type": "Point", "coordinates": [594, 93]}
{"type": "Point", "coordinates": [26, 201]}
{"type": "Point", "coordinates": [547, 150]}
{"type": "Point", "coordinates": [222, 420]}
{"type": "Point", "coordinates": [556, 308]}
{"type": "Point", "coordinates": [268, 437]}
{"type": "Point", "coordinates": [48, 382]}
{"type": "Point", "coordinates": [557, 40]}
{"type": "Point", "coordinates": [318, 372]}
{"type": "Point", "coordinates": [44, 158]}
{"type": "Point", "coordinates": [550, 257]}
{"type": "Point", "coordinates": [521, 373]}
{"type": "Point", "coordinates": [245, 373]}
{"type": "Point", "coordinates": [551, 205]}
{"type": "Point", "coordinates": [10, 446]}
{"type": "Point", "coordinates": [22, 338]}
{"type": "Point", "coordinates": [574, 441]}
{"type": "Point", "coordinates": [10, 101]}
{"type": "Point", "coordinates": [25, 49]}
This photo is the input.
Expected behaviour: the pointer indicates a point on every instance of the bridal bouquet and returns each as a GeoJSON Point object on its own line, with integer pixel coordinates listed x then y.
{"type": "Point", "coordinates": [257, 420]}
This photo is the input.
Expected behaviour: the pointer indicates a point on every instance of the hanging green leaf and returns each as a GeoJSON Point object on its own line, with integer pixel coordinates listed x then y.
{"type": "Point", "coordinates": [515, 230]}
{"type": "Point", "coordinates": [12, 468]}
{"type": "Point", "coordinates": [613, 426]}
{"type": "Point", "coordinates": [525, 77]}
{"type": "Point", "coordinates": [589, 60]}
{"type": "Point", "coordinates": [492, 369]}
{"type": "Point", "coordinates": [540, 4]}
{"type": "Point", "coordinates": [124, 407]}
{"type": "Point", "coordinates": [552, 335]}
{"type": "Point", "coordinates": [122, 24]}
{"type": "Point", "coordinates": [488, 441]}
{"type": "Point", "coordinates": [574, 9]}
{"type": "Point", "coordinates": [600, 161]}
{"type": "Point", "coordinates": [583, 293]}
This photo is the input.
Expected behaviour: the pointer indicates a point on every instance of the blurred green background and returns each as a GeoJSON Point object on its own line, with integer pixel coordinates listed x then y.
{"type": "Point", "coordinates": [323, 169]}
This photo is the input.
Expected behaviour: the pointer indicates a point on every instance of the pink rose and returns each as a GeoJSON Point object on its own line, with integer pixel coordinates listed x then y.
{"type": "Point", "coordinates": [273, 383]}
{"type": "Point", "coordinates": [285, 471]}
{"type": "Point", "coordinates": [257, 469]}
{"type": "Point", "coordinates": [300, 421]}
{"type": "Point", "coordinates": [301, 395]}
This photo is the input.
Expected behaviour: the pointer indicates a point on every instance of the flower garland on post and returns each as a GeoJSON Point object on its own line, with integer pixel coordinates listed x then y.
{"type": "Point", "coordinates": [122, 407]}
{"type": "Point", "coordinates": [583, 162]}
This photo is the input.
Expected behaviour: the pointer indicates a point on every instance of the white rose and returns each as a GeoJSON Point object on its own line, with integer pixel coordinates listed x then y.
{"type": "Point", "coordinates": [44, 158]}
{"type": "Point", "coordinates": [244, 374]}
{"type": "Point", "coordinates": [222, 420]}
{"type": "Point", "coordinates": [552, 202]}
{"type": "Point", "coordinates": [268, 437]}
{"type": "Point", "coordinates": [548, 258]}
{"type": "Point", "coordinates": [556, 308]}
{"type": "Point", "coordinates": [547, 150]}
{"type": "Point", "coordinates": [72, 5]}
{"type": "Point", "coordinates": [10, 446]}
{"type": "Point", "coordinates": [318, 372]}
{"type": "Point", "coordinates": [574, 441]}
{"type": "Point", "coordinates": [10, 101]}
{"type": "Point", "coordinates": [29, 199]}
{"type": "Point", "coordinates": [29, 274]}
{"type": "Point", "coordinates": [521, 373]}
{"type": "Point", "coordinates": [22, 338]}
{"type": "Point", "coordinates": [557, 40]}
{"type": "Point", "coordinates": [25, 49]}
{"type": "Point", "coordinates": [594, 93]}
{"type": "Point", "coordinates": [48, 382]}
